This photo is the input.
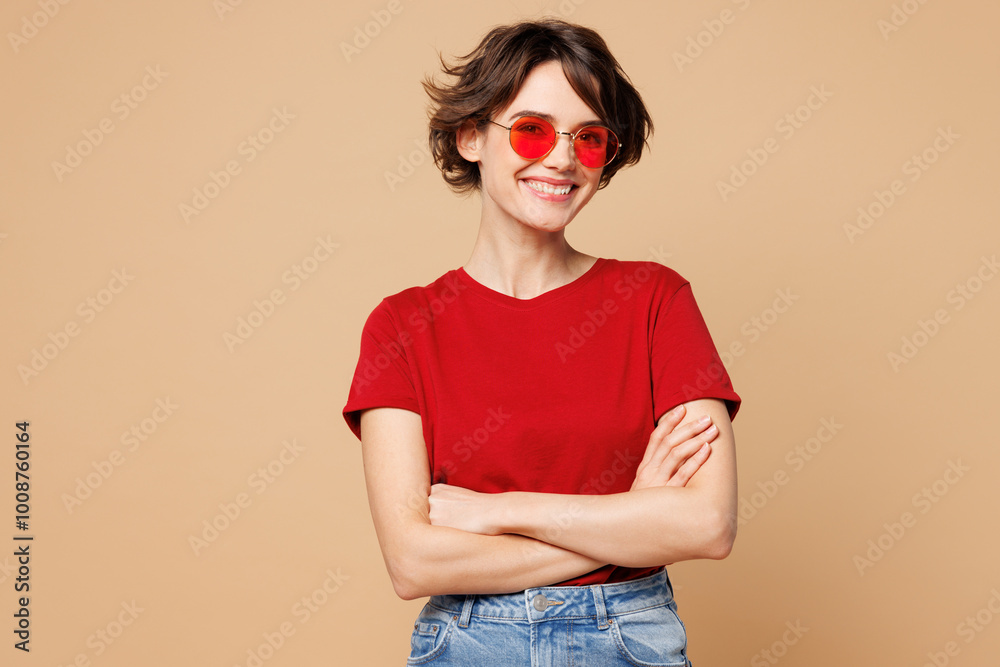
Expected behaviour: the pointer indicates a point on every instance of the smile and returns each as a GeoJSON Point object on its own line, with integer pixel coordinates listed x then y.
{"type": "Point", "coordinates": [539, 186]}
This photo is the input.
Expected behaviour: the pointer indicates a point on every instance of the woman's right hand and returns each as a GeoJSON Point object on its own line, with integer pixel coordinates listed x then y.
{"type": "Point", "coordinates": [675, 453]}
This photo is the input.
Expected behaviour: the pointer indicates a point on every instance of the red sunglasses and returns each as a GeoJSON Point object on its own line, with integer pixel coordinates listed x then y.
{"type": "Point", "coordinates": [533, 138]}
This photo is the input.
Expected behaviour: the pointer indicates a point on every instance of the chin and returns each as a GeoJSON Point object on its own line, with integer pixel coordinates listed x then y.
{"type": "Point", "coordinates": [547, 223]}
{"type": "Point", "coordinates": [550, 221]}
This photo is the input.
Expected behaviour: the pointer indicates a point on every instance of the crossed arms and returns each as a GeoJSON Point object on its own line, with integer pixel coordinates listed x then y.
{"type": "Point", "coordinates": [443, 539]}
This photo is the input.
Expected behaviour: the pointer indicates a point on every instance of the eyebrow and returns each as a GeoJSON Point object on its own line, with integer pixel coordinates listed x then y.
{"type": "Point", "coordinates": [551, 118]}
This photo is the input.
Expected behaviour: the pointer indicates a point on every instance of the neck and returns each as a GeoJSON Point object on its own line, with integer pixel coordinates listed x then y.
{"type": "Point", "coordinates": [524, 263]}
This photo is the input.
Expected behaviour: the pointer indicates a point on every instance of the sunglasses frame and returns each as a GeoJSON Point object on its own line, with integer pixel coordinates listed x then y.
{"type": "Point", "coordinates": [572, 138]}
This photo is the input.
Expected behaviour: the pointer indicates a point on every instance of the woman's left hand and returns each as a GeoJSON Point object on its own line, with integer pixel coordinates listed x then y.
{"type": "Point", "coordinates": [471, 511]}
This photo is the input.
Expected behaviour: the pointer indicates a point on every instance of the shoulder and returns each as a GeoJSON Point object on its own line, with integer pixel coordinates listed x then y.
{"type": "Point", "coordinates": [645, 275]}
{"type": "Point", "coordinates": [397, 307]}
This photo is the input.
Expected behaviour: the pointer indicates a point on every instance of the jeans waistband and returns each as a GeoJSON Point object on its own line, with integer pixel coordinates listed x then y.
{"type": "Point", "coordinates": [545, 603]}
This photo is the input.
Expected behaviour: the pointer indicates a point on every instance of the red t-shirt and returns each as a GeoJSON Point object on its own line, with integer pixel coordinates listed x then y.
{"type": "Point", "coordinates": [555, 394]}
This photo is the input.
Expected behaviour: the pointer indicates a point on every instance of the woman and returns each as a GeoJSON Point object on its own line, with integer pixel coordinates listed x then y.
{"type": "Point", "coordinates": [543, 430]}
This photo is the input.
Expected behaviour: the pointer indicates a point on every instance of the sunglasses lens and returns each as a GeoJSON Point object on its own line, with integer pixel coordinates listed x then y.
{"type": "Point", "coordinates": [596, 146]}
{"type": "Point", "coordinates": [531, 138]}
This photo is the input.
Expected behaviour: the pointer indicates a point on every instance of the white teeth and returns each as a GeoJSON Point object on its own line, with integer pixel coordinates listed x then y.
{"type": "Point", "coordinates": [548, 189]}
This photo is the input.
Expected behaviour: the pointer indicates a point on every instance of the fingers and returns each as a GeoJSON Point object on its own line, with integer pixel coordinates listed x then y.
{"type": "Point", "coordinates": [674, 417]}
{"type": "Point", "coordinates": [666, 425]}
{"type": "Point", "coordinates": [435, 501]}
{"type": "Point", "coordinates": [675, 451]}
{"type": "Point", "coordinates": [701, 430]}
{"type": "Point", "coordinates": [678, 455]}
{"type": "Point", "coordinates": [690, 466]}
{"type": "Point", "coordinates": [684, 460]}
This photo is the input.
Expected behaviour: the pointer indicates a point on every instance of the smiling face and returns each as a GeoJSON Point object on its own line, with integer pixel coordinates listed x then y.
{"type": "Point", "coordinates": [543, 194]}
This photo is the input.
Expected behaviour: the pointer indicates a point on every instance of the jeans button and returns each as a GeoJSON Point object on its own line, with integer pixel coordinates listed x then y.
{"type": "Point", "coordinates": [540, 602]}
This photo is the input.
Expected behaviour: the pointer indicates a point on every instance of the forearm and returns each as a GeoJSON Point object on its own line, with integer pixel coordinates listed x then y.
{"type": "Point", "coordinates": [425, 559]}
{"type": "Point", "coordinates": [657, 522]}
{"type": "Point", "coordinates": [640, 528]}
{"type": "Point", "coordinates": [437, 560]}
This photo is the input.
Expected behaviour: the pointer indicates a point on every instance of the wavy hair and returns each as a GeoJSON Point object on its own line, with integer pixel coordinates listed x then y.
{"type": "Point", "coordinates": [488, 79]}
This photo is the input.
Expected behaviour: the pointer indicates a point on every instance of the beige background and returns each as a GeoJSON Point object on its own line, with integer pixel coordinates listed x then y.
{"type": "Point", "coordinates": [359, 116]}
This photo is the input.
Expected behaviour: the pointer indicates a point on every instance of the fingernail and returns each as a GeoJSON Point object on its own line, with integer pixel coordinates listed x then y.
{"type": "Point", "coordinates": [705, 420]}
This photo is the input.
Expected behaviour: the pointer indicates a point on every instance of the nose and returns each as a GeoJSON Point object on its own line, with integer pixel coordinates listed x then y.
{"type": "Point", "coordinates": [563, 154]}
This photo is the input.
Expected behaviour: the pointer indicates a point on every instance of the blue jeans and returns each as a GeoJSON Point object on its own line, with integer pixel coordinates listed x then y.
{"type": "Point", "coordinates": [628, 623]}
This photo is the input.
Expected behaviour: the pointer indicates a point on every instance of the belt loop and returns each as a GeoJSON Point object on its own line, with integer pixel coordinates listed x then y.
{"type": "Point", "coordinates": [669, 584]}
{"type": "Point", "coordinates": [602, 612]}
{"type": "Point", "coordinates": [463, 622]}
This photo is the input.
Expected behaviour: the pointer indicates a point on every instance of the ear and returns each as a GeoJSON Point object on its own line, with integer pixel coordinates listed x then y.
{"type": "Point", "coordinates": [469, 140]}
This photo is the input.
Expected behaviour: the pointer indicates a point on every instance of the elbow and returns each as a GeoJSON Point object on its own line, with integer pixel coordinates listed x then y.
{"type": "Point", "coordinates": [415, 568]}
{"type": "Point", "coordinates": [720, 534]}
{"type": "Point", "coordinates": [710, 537]}
{"type": "Point", "coordinates": [411, 578]}
{"type": "Point", "coordinates": [406, 585]}
{"type": "Point", "coordinates": [405, 590]}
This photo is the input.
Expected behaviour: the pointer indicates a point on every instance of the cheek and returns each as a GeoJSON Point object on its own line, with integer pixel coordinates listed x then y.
{"type": "Point", "coordinates": [591, 191]}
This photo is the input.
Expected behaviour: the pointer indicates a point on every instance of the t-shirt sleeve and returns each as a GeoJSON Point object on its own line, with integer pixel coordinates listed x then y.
{"type": "Point", "coordinates": [684, 361]}
{"type": "Point", "coordinates": [383, 377]}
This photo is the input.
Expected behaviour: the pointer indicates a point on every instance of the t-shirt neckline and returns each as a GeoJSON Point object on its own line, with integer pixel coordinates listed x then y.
{"type": "Point", "coordinates": [525, 304]}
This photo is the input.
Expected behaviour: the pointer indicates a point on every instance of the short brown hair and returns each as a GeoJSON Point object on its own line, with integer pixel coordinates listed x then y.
{"type": "Point", "coordinates": [490, 76]}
